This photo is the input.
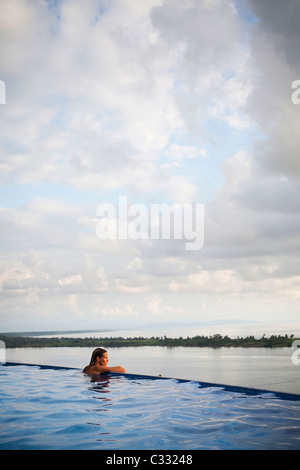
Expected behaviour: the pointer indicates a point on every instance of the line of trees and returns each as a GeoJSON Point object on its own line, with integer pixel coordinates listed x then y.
{"type": "Point", "coordinates": [215, 341]}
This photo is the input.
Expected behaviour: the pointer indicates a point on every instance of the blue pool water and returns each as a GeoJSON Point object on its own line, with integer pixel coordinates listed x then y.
{"type": "Point", "coordinates": [60, 408]}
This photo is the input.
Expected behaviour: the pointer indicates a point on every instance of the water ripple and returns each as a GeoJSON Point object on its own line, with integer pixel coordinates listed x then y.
{"type": "Point", "coordinates": [63, 409]}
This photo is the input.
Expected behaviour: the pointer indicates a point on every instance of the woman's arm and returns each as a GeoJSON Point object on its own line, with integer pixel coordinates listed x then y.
{"type": "Point", "coordinates": [111, 369]}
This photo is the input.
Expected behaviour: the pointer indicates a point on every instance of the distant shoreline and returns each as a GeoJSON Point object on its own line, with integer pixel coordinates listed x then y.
{"type": "Point", "coordinates": [214, 341]}
{"type": "Point", "coordinates": [53, 332]}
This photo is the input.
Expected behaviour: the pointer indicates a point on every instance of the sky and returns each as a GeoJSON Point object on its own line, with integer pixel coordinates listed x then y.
{"type": "Point", "coordinates": [159, 102]}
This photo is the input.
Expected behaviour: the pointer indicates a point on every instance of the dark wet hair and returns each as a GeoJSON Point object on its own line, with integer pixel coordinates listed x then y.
{"type": "Point", "coordinates": [98, 352]}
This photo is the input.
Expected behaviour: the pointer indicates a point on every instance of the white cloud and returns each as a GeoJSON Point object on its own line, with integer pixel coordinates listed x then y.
{"type": "Point", "coordinates": [149, 99]}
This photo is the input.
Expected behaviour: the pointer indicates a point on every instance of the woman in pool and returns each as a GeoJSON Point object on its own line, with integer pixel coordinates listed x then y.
{"type": "Point", "coordinates": [98, 363]}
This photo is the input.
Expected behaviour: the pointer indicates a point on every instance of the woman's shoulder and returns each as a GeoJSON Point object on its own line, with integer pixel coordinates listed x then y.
{"type": "Point", "coordinates": [91, 370]}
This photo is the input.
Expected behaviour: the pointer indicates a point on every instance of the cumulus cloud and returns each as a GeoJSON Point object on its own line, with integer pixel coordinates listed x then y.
{"type": "Point", "coordinates": [164, 102]}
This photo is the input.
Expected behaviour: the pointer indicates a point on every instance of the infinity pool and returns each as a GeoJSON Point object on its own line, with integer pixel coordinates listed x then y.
{"type": "Point", "coordinates": [57, 408]}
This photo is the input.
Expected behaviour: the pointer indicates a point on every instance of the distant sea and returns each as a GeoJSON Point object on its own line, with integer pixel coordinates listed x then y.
{"type": "Point", "coordinates": [233, 330]}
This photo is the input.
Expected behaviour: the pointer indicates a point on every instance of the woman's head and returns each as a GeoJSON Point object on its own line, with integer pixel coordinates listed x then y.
{"type": "Point", "coordinates": [98, 355]}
